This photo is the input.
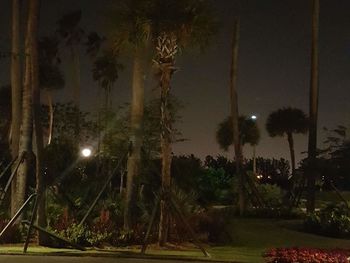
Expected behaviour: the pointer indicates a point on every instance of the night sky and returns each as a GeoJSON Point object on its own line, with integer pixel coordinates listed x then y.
{"type": "Point", "coordinates": [274, 67]}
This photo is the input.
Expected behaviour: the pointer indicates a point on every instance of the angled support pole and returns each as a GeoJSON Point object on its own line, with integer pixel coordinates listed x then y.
{"type": "Point", "coordinates": [150, 226]}
{"type": "Point", "coordinates": [187, 225]}
{"type": "Point", "coordinates": [18, 213]}
{"type": "Point", "coordinates": [34, 210]}
{"type": "Point", "coordinates": [7, 167]}
{"type": "Point", "coordinates": [341, 197]}
{"type": "Point", "coordinates": [26, 222]}
{"type": "Point", "coordinates": [116, 169]}
{"type": "Point", "coordinates": [8, 184]}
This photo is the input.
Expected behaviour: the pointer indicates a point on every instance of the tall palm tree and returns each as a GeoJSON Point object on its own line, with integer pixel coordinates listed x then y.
{"type": "Point", "coordinates": [131, 32]}
{"type": "Point", "coordinates": [165, 59]}
{"type": "Point", "coordinates": [16, 89]}
{"type": "Point", "coordinates": [105, 71]}
{"type": "Point", "coordinates": [51, 77]}
{"type": "Point", "coordinates": [287, 121]}
{"type": "Point", "coordinates": [33, 28]}
{"type": "Point", "coordinates": [248, 130]}
{"type": "Point", "coordinates": [237, 142]}
{"type": "Point", "coordinates": [25, 144]}
{"type": "Point", "coordinates": [175, 24]}
{"type": "Point", "coordinates": [313, 107]}
{"type": "Point", "coordinates": [72, 35]}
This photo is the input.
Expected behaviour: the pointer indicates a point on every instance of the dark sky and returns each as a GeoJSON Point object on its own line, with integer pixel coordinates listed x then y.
{"type": "Point", "coordinates": [273, 67]}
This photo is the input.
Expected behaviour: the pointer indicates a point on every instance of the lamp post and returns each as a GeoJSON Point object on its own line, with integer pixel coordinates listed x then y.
{"type": "Point", "coordinates": [254, 118]}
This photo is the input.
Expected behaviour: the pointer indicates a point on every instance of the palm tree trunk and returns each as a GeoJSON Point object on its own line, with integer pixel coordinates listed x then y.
{"type": "Point", "coordinates": [312, 145]}
{"type": "Point", "coordinates": [291, 150]}
{"type": "Point", "coordinates": [165, 144]}
{"type": "Point", "coordinates": [234, 114]}
{"type": "Point", "coordinates": [16, 89]}
{"type": "Point", "coordinates": [39, 139]}
{"type": "Point", "coordinates": [167, 49]}
{"type": "Point", "coordinates": [76, 88]}
{"type": "Point", "coordinates": [25, 145]}
{"type": "Point", "coordinates": [134, 159]}
{"type": "Point", "coordinates": [51, 116]}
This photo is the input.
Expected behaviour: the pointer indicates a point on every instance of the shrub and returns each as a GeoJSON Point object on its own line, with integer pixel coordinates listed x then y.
{"type": "Point", "coordinates": [306, 255]}
{"type": "Point", "coordinates": [214, 223]}
{"type": "Point", "coordinates": [332, 220]}
{"type": "Point", "coordinates": [271, 194]}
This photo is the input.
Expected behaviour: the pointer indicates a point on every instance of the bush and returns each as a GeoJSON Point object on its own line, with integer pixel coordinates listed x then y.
{"type": "Point", "coordinates": [306, 255]}
{"type": "Point", "coordinates": [271, 194]}
{"type": "Point", "coordinates": [213, 223]}
{"type": "Point", "coordinates": [332, 220]}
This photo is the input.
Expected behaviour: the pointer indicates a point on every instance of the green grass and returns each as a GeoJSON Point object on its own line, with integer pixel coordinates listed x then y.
{"type": "Point", "coordinates": [251, 237]}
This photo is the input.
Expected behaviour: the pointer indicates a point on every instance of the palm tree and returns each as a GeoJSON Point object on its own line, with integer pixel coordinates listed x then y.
{"type": "Point", "coordinates": [25, 144]}
{"type": "Point", "coordinates": [287, 121]}
{"type": "Point", "coordinates": [131, 32]}
{"type": "Point", "coordinates": [235, 116]}
{"type": "Point", "coordinates": [313, 110]}
{"type": "Point", "coordinates": [51, 77]}
{"type": "Point", "coordinates": [106, 72]}
{"type": "Point", "coordinates": [72, 35]}
{"type": "Point", "coordinates": [248, 131]}
{"type": "Point", "coordinates": [33, 28]}
{"type": "Point", "coordinates": [16, 89]}
{"type": "Point", "coordinates": [175, 24]}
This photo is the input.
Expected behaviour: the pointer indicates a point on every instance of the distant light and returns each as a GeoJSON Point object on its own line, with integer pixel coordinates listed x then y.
{"type": "Point", "coordinates": [86, 152]}
{"type": "Point", "coordinates": [253, 117]}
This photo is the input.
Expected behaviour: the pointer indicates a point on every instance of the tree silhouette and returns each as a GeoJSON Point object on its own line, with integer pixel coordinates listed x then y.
{"type": "Point", "coordinates": [287, 121]}
{"type": "Point", "coordinates": [248, 129]}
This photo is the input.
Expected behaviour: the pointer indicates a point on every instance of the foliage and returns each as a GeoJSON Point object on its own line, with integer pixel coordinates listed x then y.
{"type": "Point", "coordinates": [135, 23]}
{"type": "Point", "coordinates": [248, 129]}
{"type": "Point", "coordinates": [286, 120]}
{"type": "Point", "coordinates": [213, 223]}
{"type": "Point", "coordinates": [306, 255]}
{"type": "Point", "coordinates": [220, 161]}
{"type": "Point", "coordinates": [106, 69]}
{"type": "Point", "coordinates": [214, 186]}
{"type": "Point", "coordinates": [51, 77]}
{"type": "Point", "coordinates": [64, 128]}
{"type": "Point", "coordinates": [332, 220]}
{"type": "Point", "coordinates": [190, 21]}
{"type": "Point", "coordinates": [271, 171]}
{"type": "Point", "coordinates": [271, 194]}
{"type": "Point", "coordinates": [333, 162]}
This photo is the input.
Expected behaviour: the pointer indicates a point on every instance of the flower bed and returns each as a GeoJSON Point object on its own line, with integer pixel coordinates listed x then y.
{"type": "Point", "coordinates": [306, 255]}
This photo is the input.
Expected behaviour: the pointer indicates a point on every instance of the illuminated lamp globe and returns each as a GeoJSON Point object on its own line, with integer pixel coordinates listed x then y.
{"type": "Point", "coordinates": [86, 152]}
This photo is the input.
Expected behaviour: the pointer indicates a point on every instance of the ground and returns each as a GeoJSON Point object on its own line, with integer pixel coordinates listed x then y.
{"type": "Point", "coordinates": [49, 259]}
{"type": "Point", "coordinates": [250, 238]}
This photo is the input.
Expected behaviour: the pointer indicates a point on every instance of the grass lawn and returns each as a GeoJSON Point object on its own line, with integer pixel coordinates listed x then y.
{"type": "Point", "coordinates": [251, 237]}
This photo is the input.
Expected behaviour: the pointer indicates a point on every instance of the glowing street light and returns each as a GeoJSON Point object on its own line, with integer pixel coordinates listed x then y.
{"type": "Point", "coordinates": [86, 152]}
{"type": "Point", "coordinates": [254, 118]}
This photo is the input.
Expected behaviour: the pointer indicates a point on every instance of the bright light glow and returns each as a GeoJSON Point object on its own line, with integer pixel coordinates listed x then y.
{"type": "Point", "coordinates": [253, 117]}
{"type": "Point", "coordinates": [86, 152]}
